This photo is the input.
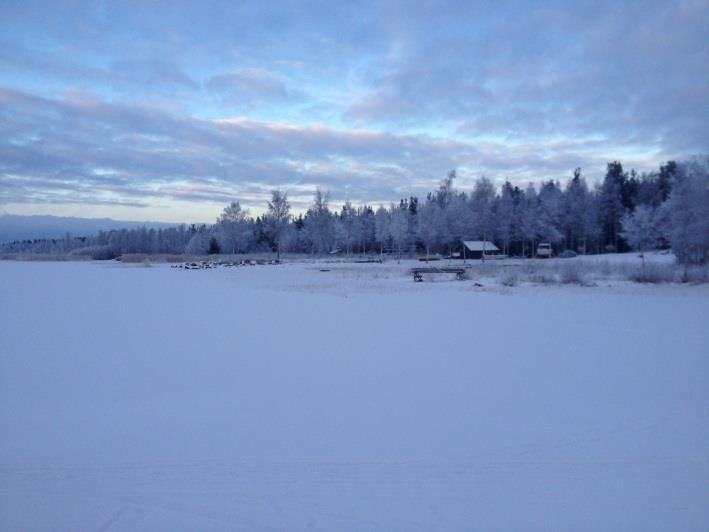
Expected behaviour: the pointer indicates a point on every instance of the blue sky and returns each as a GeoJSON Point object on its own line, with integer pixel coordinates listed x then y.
{"type": "Point", "coordinates": [169, 110]}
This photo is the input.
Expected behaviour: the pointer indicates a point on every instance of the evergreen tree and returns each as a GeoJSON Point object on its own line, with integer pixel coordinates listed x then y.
{"type": "Point", "coordinates": [214, 248]}
{"type": "Point", "coordinates": [505, 213]}
{"type": "Point", "coordinates": [574, 212]}
{"type": "Point", "coordinates": [610, 204]}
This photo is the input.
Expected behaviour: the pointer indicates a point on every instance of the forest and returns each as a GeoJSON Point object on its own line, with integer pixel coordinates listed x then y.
{"type": "Point", "coordinates": [664, 209]}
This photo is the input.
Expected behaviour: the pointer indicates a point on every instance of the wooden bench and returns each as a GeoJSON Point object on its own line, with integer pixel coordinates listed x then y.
{"type": "Point", "coordinates": [418, 272]}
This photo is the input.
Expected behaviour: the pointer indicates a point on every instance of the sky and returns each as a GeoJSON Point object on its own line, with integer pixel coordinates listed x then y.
{"type": "Point", "coordinates": [168, 110]}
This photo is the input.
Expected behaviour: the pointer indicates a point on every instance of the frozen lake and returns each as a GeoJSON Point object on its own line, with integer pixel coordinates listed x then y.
{"type": "Point", "coordinates": [286, 398]}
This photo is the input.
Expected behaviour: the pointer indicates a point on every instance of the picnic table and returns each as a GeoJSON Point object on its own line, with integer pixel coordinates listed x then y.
{"type": "Point", "coordinates": [419, 272]}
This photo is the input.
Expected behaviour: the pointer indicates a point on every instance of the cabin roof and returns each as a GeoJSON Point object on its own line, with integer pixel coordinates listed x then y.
{"type": "Point", "coordinates": [480, 245]}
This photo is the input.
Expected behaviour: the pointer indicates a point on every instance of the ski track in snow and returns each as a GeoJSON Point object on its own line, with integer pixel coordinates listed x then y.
{"type": "Point", "coordinates": [285, 398]}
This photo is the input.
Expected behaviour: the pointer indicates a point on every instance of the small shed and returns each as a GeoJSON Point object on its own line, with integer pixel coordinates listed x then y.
{"type": "Point", "coordinates": [477, 249]}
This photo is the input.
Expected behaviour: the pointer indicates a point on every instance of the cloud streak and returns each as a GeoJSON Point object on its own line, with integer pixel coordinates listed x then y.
{"type": "Point", "coordinates": [81, 144]}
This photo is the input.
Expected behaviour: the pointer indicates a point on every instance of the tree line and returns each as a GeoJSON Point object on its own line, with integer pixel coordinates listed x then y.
{"type": "Point", "coordinates": [668, 208]}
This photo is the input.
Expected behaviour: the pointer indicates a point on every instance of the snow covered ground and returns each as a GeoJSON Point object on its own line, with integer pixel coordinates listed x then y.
{"type": "Point", "coordinates": [287, 398]}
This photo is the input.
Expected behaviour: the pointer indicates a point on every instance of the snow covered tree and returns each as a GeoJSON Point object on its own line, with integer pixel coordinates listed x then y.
{"type": "Point", "coordinates": [364, 228]}
{"type": "Point", "coordinates": [429, 224]}
{"type": "Point", "coordinates": [410, 206]}
{"type": "Point", "coordinates": [528, 224]}
{"type": "Point", "coordinates": [549, 212]}
{"type": "Point", "coordinates": [688, 213]}
{"type": "Point", "coordinates": [641, 230]}
{"type": "Point", "coordinates": [450, 229]}
{"type": "Point", "coordinates": [382, 226]}
{"type": "Point", "coordinates": [457, 220]}
{"type": "Point", "coordinates": [505, 216]}
{"type": "Point", "coordinates": [318, 223]}
{"type": "Point", "coordinates": [277, 218]}
{"type": "Point", "coordinates": [233, 228]}
{"type": "Point", "coordinates": [399, 227]}
{"type": "Point", "coordinates": [199, 242]}
{"type": "Point", "coordinates": [482, 220]}
{"type": "Point", "coordinates": [347, 227]}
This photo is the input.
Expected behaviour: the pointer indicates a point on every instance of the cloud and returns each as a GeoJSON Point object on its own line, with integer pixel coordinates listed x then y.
{"type": "Point", "coordinates": [251, 84]}
{"type": "Point", "coordinates": [83, 148]}
{"type": "Point", "coordinates": [146, 72]}
{"type": "Point", "coordinates": [524, 70]}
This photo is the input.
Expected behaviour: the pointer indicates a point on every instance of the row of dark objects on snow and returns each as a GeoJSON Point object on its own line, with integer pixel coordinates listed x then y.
{"type": "Point", "coordinates": [208, 265]}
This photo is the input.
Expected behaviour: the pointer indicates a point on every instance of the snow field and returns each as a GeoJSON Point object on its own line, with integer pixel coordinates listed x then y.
{"type": "Point", "coordinates": [283, 397]}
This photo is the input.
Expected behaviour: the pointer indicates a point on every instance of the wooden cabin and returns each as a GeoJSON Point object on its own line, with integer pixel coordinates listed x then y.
{"type": "Point", "coordinates": [477, 249]}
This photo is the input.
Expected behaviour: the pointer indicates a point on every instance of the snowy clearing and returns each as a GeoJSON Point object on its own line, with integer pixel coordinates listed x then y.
{"type": "Point", "coordinates": [287, 398]}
